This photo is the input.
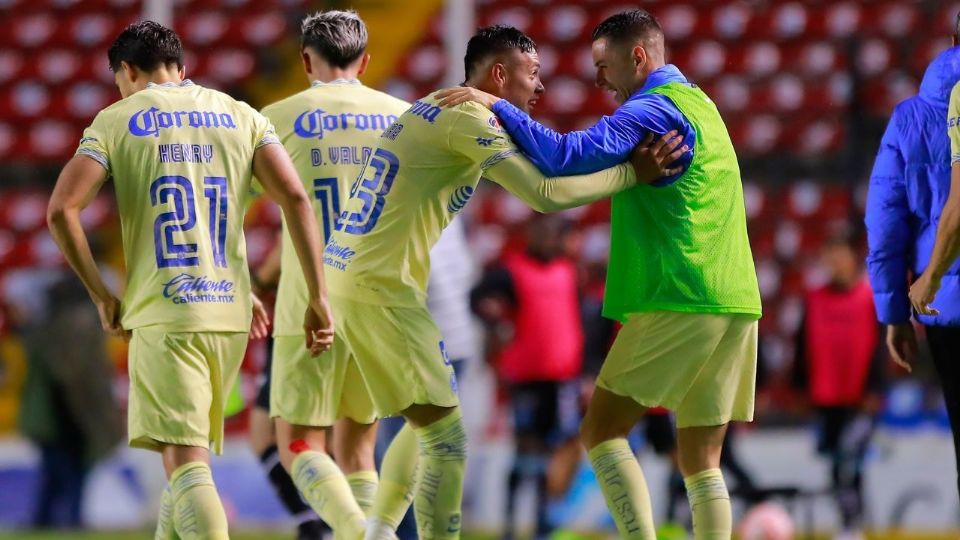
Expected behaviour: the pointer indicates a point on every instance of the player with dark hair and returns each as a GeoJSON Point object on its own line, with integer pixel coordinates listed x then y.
{"type": "Point", "coordinates": [307, 396]}
{"type": "Point", "coordinates": [182, 158]}
{"type": "Point", "coordinates": [423, 171]}
{"type": "Point", "coordinates": [681, 275]}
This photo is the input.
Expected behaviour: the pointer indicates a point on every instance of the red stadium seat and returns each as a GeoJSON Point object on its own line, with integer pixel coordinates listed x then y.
{"type": "Point", "coordinates": [51, 138]}
{"type": "Point", "coordinates": [85, 99]}
{"type": "Point", "coordinates": [731, 93]}
{"type": "Point", "coordinates": [707, 59]}
{"type": "Point", "coordinates": [567, 23]}
{"type": "Point", "coordinates": [57, 66]}
{"type": "Point", "coordinates": [93, 30]}
{"type": "Point", "coordinates": [11, 64]}
{"type": "Point", "coordinates": [834, 20]}
{"type": "Point", "coordinates": [8, 139]}
{"type": "Point", "coordinates": [678, 20]}
{"type": "Point", "coordinates": [34, 30]}
{"type": "Point", "coordinates": [228, 66]}
{"type": "Point", "coordinates": [202, 29]}
{"type": "Point", "coordinates": [874, 57]}
{"type": "Point", "coordinates": [730, 21]}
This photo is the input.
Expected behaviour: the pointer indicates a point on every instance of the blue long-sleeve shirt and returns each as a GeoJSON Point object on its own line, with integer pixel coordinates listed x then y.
{"type": "Point", "coordinates": [610, 140]}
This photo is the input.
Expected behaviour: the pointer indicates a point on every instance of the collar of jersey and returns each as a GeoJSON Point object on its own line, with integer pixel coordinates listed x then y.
{"type": "Point", "coordinates": [334, 82]}
{"type": "Point", "coordinates": [185, 82]}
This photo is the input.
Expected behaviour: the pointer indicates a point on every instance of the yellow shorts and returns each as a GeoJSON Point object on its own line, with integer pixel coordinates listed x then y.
{"type": "Point", "coordinates": [316, 391]}
{"type": "Point", "coordinates": [399, 352]}
{"type": "Point", "coordinates": [702, 366]}
{"type": "Point", "coordinates": [178, 386]}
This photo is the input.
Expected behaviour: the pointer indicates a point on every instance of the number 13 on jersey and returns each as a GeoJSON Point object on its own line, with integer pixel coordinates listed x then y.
{"type": "Point", "coordinates": [371, 187]}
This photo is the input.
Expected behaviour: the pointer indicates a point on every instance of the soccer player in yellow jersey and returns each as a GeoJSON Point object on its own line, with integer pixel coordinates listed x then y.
{"type": "Point", "coordinates": [329, 130]}
{"type": "Point", "coordinates": [423, 171]}
{"type": "Point", "coordinates": [181, 158]}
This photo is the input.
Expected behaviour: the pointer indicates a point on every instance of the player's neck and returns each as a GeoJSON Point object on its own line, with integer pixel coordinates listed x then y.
{"type": "Point", "coordinates": [330, 74]}
{"type": "Point", "coordinates": [164, 75]}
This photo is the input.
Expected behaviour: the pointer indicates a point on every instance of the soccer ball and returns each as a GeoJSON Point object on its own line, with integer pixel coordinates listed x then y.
{"type": "Point", "coordinates": [766, 521]}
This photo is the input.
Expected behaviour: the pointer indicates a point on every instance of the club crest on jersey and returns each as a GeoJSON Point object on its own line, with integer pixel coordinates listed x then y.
{"type": "Point", "coordinates": [315, 123]}
{"type": "Point", "coordinates": [494, 123]}
{"type": "Point", "coordinates": [459, 199]}
{"type": "Point", "coordinates": [149, 122]}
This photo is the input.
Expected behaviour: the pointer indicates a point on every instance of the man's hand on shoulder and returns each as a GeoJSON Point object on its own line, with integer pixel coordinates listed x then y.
{"type": "Point", "coordinates": [651, 159]}
{"type": "Point", "coordinates": [450, 97]}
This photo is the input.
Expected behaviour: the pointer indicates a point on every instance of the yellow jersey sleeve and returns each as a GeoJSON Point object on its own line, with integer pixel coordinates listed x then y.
{"type": "Point", "coordinates": [93, 144]}
{"type": "Point", "coordinates": [953, 124]}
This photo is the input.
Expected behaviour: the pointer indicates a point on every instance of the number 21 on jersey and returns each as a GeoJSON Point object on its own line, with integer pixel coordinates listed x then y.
{"type": "Point", "coordinates": [177, 191]}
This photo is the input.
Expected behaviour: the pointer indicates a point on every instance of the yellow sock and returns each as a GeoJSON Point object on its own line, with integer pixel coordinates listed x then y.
{"type": "Point", "coordinates": [624, 488]}
{"type": "Point", "coordinates": [323, 485]}
{"type": "Point", "coordinates": [165, 529]}
{"type": "Point", "coordinates": [363, 485]}
{"type": "Point", "coordinates": [197, 511]}
{"type": "Point", "coordinates": [398, 480]}
{"type": "Point", "coordinates": [710, 504]}
{"type": "Point", "coordinates": [443, 456]}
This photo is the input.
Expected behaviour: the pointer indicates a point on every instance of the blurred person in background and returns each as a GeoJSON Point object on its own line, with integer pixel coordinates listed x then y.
{"type": "Point", "coordinates": [535, 292]}
{"type": "Point", "coordinates": [68, 408]}
{"type": "Point", "coordinates": [909, 187]}
{"type": "Point", "coordinates": [839, 365]}
{"type": "Point", "coordinates": [328, 129]}
{"type": "Point", "coordinates": [188, 309]}
{"type": "Point", "coordinates": [448, 300]}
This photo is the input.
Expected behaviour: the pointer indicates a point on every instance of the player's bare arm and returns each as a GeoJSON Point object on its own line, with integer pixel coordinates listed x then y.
{"type": "Point", "coordinates": [946, 249]}
{"type": "Point", "coordinates": [272, 166]}
{"type": "Point", "coordinates": [77, 185]}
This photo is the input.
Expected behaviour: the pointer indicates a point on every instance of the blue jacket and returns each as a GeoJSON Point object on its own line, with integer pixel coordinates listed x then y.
{"type": "Point", "coordinates": [908, 188]}
{"type": "Point", "coordinates": [610, 140]}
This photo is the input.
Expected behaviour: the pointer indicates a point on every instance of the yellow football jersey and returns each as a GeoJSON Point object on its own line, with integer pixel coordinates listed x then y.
{"type": "Point", "coordinates": [181, 161]}
{"type": "Point", "coordinates": [953, 124]}
{"type": "Point", "coordinates": [329, 130]}
{"type": "Point", "coordinates": [423, 171]}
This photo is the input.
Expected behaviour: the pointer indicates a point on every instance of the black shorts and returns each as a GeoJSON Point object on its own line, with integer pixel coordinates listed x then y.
{"type": "Point", "coordinates": [263, 381]}
{"type": "Point", "coordinates": [547, 410]}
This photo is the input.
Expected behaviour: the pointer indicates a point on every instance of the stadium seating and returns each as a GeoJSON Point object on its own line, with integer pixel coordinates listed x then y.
{"type": "Point", "coordinates": [790, 77]}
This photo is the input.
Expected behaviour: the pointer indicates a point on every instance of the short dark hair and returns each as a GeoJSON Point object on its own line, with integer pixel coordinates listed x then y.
{"type": "Point", "coordinates": [494, 40]}
{"type": "Point", "coordinates": [339, 37]}
{"type": "Point", "coordinates": [632, 25]}
{"type": "Point", "coordinates": [146, 45]}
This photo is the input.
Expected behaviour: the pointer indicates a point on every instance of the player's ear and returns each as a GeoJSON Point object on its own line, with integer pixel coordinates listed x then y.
{"type": "Point", "coordinates": [129, 72]}
{"type": "Point", "coordinates": [639, 55]}
{"type": "Point", "coordinates": [364, 62]}
{"type": "Point", "coordinates": [307, 64]}
{"type": "Point", "coordinates": [499, 74]}
{"type": "Point", "coordinates": [183, 72]}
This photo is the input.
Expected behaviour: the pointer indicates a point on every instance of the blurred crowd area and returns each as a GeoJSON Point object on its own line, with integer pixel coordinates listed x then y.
{"type": "Point", "coordinates": [805, 87]}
